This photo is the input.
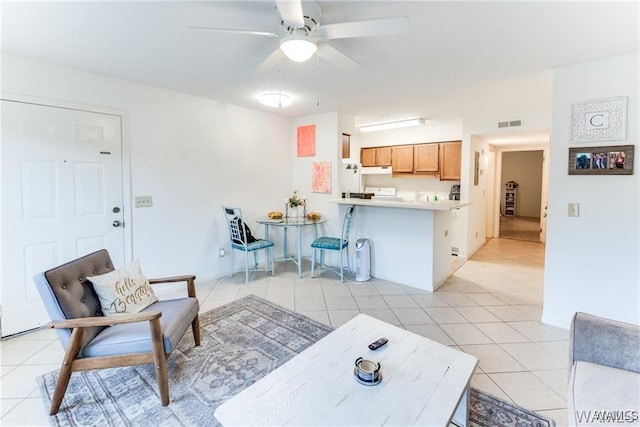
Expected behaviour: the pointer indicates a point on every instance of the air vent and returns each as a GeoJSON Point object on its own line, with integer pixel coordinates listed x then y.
{"type": "Point", "coordinates": [510, 124]}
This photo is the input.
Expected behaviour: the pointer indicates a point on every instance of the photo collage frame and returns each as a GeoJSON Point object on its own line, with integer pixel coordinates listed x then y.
{"type": "Point", "coordinates": [600, 120]}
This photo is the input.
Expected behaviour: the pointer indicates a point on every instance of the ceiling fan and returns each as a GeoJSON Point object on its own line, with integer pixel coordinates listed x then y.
{"type": "Point", "coordinates": [303, 35]}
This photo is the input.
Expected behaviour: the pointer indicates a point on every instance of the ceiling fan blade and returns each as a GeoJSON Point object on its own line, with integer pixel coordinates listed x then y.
{"type": "Point", "coordinates": [374, 27]}
{"type": "Point", "coordinates": [270, 62]}
{"type": "Point", "coordinates": [335, 57]}
{"type": "Point", "coordinates": [291, 12]}
{"type": "Point", "coordinates": [235, 31]}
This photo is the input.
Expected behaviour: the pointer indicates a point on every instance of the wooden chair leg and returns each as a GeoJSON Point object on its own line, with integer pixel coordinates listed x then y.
{"type": "Point", "coordinates": [160, 361]}
{"type": "Point", "coordinates": [73, 348]}
{"type": "Point", "coordinates": [195, 327]}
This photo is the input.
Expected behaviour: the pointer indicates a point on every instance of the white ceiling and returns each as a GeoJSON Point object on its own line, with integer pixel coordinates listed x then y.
{"type": "Point", "coordinates": [458, 56]}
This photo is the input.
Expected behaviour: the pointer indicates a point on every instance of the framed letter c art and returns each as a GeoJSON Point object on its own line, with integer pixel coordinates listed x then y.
{"type": "Point", "coordinates": [599, 120]}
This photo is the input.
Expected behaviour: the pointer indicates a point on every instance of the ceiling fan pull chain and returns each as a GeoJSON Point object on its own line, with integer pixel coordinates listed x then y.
{"type": "Point", "coordinates": [317, 81]}
{"type": "Point", "coordinates": [280, 81]}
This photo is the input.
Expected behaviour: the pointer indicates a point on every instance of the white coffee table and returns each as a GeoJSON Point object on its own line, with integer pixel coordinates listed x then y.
{"type": "Point", "coordinates": [424, 383]}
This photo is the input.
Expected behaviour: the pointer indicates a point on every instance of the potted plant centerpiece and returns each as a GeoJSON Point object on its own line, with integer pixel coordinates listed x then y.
{"type": "Point", "coordinates": [293, 203]}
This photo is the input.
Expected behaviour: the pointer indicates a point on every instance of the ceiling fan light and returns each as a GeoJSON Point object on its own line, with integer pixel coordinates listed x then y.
{"type": "Point", "coordinates": [298, 48]}
{"type": "Point", "coordinates": [275, 99]}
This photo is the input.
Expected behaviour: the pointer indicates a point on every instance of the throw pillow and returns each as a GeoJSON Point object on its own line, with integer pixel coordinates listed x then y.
{"type": "Point", "coordinates": [125, 290]}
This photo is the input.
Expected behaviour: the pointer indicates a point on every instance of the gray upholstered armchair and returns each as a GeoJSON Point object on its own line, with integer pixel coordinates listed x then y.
{"type": "Point", "coordinates": [605, 375]}
{"type": "Point", "coordinates": [94, 341]}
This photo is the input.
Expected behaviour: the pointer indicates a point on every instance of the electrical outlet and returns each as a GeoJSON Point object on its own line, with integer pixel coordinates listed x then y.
{"type": "Point", "coordinates": [144, 201]}
{"type": "Point", "coordinates": [221, 252]}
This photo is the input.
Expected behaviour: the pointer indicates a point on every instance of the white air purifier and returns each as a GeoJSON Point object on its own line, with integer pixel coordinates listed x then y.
{"type": "Point", "coordinates": [363, 260]}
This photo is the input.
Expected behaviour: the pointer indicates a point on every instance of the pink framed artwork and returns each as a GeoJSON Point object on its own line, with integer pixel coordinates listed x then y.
{"type": "Point", "coordinates": [321, 177]}
{"type": "Point", "coordinates": [307, 141]}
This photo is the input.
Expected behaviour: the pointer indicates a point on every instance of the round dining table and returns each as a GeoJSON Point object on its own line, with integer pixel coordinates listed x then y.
{"type": "Point", "coordinates": [285, 223]}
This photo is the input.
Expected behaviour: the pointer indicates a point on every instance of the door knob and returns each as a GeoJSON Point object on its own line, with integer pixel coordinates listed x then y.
{"type": "Point", "coordinates": [117, 223]}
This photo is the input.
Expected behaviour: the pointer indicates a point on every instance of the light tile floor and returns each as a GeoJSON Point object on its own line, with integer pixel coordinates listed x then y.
{"type": "Point", "coordinates": [490, 307]}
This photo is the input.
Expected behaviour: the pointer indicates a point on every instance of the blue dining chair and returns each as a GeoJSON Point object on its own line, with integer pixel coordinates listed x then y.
{"type": "Point", "coordinates": [242, 240]}
{"type": "Point", "coordinates": [335, 244]}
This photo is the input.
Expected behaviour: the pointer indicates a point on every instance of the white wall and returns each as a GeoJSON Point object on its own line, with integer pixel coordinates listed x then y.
{"type": "Point", "coordinates": [329, 129]}
{"type": "Point", "coordinates": [191, 154]}
{"type": "Point", "coordinates": [431, 131]}
{"type": "Point", "coordinates": [592, 261]}
{"type": "Point", "coordinates": [525, 168]}
{"type": "Point", "coordinates": [474, 217]}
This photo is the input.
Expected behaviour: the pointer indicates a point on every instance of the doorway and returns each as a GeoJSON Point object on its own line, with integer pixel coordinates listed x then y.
{"type": "Point", "coordinates": [521, 192]}
{"type": "Point", "coordinates": [62, 197]}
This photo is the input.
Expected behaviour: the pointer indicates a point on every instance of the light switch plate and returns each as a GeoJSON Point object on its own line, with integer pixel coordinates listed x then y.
{"type": "Point", "coordinates": [573, 209]}
{"type": "Point", "coordinates": [144, 201]}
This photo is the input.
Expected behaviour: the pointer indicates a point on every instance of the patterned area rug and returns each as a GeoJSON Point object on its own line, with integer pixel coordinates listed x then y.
{"type": "Point", "coordinates": [241, 342]}
{"type": "Point", "coordinates": [489, 411]}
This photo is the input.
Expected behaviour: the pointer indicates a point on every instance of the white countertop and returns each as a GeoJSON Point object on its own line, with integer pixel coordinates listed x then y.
{"type": "Point", "coordinates": [441, 205]}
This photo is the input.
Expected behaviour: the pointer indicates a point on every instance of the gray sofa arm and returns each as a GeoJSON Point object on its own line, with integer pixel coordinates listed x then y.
{"type": "Point", "coordinates": [605, 342]}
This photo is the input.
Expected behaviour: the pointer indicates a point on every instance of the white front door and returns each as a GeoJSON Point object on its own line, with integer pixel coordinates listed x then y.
{"type": "Point", "coordinates": [62, 198]}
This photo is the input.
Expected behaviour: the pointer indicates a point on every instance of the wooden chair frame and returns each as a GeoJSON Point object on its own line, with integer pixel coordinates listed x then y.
{"type": "Point", "coordinates": [157, 356]}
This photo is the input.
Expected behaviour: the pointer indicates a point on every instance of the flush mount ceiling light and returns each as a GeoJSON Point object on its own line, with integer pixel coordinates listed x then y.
{"type": "Point", "coordinates": [298, 48]}
{"type": "Point", "coordinates": [392, 125]}
{"type": "Point", "coordinates": [275, 99]}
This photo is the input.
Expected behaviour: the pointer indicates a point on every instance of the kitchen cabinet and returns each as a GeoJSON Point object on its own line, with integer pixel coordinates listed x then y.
{"type": "Point", "coordinates": [450, 160]}
{"type": "Point", "coordinates": [402, 159]}
{"type": "Point", "coordinates": [375, 156]}
{"type": "Point", "coordinates": [413, 160]}
{"type": "Point", "coordinates": [425, 158]}
{"type": "Point", "coordinates": [430, 160]}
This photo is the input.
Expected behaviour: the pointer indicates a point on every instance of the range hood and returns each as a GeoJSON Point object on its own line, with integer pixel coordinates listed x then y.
{"type": "Point", "coordinates": [376, 170]}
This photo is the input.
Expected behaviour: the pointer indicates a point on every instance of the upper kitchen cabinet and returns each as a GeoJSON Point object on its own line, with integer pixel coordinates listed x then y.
{"type": "Point", "coordinates": [425, 158]}
{"type": "Point", "coordinates": [450, 160]}
{"type": "Point", "coordinates": [402, 159]}
{"type": "Point", "coordinates": [429, 160]}
{"type": "Point", "coordinates": [375, 156]}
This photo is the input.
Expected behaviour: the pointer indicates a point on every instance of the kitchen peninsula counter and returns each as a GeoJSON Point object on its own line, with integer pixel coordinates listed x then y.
{"type": "Point", "coordinates": [440, 205]}
{"type": "Point", "coordinates": [410, 241]}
